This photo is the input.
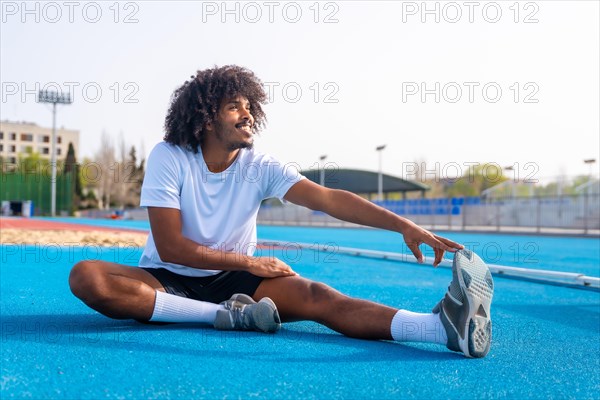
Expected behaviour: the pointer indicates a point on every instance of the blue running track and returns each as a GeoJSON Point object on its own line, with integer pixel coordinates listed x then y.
{"type": "Point", "coordinates": [546, 338]}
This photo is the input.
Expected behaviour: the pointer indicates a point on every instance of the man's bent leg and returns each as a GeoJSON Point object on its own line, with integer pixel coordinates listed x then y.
{"type": "Point", "coordinates": [117, 291]}
{"type": "Point", "coordinates": [298, 298]}
{"type": "Point", "coordinates": [124, 292]}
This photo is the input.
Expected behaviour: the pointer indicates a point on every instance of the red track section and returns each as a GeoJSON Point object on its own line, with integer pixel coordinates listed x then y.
{"type": "Point", "coordinates": [39, 225]}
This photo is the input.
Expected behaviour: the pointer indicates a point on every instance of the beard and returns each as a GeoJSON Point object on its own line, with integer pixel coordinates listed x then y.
{"type": "Point", "coordinates": [222, 133]}
{"type": "Point", "coordinates": [240, 145]}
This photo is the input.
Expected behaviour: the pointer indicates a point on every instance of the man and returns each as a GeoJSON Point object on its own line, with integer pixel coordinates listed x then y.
{"type": "Point", "coordinates": [203, 188]}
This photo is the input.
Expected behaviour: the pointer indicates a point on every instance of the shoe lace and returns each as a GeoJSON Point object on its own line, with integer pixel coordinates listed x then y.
{"type": "Point", "coordinates": [241, 318]}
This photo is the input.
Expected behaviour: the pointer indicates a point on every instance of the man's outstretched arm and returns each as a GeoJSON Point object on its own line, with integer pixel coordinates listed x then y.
{"type": "Point", "coordinates": [349, 207]}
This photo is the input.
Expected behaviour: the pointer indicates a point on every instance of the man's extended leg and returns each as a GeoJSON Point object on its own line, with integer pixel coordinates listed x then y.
{"type": "Point", "coordinates": [299, 299]}
{"type": "Point", "coordinates": [123, 292]}
{"type": "Point", "coordinates": [461, 320]}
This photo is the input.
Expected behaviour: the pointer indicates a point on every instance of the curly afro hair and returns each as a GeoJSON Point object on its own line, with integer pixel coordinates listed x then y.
{"type": "Point", "coordinates": [197, 102]}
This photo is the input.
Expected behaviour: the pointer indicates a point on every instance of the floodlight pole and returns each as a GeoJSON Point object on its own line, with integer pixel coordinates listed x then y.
{"type": "Point", "coordinates": [513, 187]}
{"type": "Point", "coordinates": [322, 180]}
{"type": "Point", "coordinates": [380, 175]}
{"type": "Point", "coordinates": [590, 162]}
{"type": "Point", "coordinates": [53, 163]}
{"type": "Point", "coordinates": [47, 96]}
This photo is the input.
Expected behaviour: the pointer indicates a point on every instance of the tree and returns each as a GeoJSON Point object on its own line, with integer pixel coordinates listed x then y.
{"type": "Point", "coordinates": [135, 179]}
{"type": "Point", "coordinates": [476, 179]}
{"type": "Point", "coordinates": [31, 161]}
{"type": "Point", "coordinates": [120, 180]}
{"type": "Point", "coordinates": [121, 187]}
{"type": "Point", "coordinates": [73, 168]}
{"type": "Point", "coordinates": [105, 160]}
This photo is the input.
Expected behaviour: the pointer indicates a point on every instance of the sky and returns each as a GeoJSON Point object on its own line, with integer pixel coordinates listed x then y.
{"type": "Point", "coordinates": [451, 84]}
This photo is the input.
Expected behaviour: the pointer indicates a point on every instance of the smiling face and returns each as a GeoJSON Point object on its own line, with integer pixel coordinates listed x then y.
{"type": "Point", "coordinates": [233, 127]}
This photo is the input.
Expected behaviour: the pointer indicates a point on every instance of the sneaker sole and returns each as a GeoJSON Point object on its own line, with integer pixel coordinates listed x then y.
{"type": "Point", "coordinates": [266, 316]}
{"type": "Point", "coordinates": [477, 286]}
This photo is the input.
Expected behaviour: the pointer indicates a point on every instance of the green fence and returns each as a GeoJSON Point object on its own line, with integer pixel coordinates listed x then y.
{"type": "Point", "coordinates": [21, 186]}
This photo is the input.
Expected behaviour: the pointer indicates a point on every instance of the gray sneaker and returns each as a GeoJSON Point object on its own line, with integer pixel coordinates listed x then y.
{"type": "Point", "coordinates": [243, 313]}
{"type": "Point", "coordinates": [465, 309]}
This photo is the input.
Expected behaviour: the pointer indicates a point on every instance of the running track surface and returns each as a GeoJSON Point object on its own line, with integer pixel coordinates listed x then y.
{"type": "Point", "coordinates": [546, 340]}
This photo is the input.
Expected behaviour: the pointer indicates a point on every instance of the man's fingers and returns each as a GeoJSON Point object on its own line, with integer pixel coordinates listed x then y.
{"type": "Point", "coordinates": [439, 244]}
{"type": "Point", "coordinates": [290, 271]}
{"type": "Point", "coordinates": [287, 270]}
{"type": "Point", "coordinates": [439, 248]}
{"type": "Point", "coordinates": [439, 255]}
{"type": "Point", "coordinates": [452, 246]}
{"type": "Point", "coordinates": [414, 247]}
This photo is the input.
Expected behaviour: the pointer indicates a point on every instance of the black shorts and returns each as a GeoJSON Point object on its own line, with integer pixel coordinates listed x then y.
{"type": "Point", "coordinates": [214, 288]}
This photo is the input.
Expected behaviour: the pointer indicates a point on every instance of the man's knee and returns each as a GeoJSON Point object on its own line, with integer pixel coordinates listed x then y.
{"type": "Point", "coordinates": [319, 294]}
{"type": "Point", "coordinates": [86, 281]}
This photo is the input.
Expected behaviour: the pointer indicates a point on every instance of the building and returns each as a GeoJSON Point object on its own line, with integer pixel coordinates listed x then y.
{"type": "Point", "coordinates": [20, 138]}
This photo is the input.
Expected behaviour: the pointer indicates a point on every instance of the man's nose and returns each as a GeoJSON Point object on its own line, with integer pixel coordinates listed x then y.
{"type": "Point", "coordinates": [247, 116]}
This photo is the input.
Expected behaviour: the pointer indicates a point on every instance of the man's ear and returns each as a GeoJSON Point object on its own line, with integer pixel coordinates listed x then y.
{"type": "Point", "coordinates": [208, 126]}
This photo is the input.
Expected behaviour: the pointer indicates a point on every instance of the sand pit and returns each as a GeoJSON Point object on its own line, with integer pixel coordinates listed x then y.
{"type": "Point", "coordinates": [74, 237]}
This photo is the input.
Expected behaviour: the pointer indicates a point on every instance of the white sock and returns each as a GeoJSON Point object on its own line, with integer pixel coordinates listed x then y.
{"type": "Point", "coordinates": [171, 308]}
{"type": "Point", "coordinates": [408, 326]}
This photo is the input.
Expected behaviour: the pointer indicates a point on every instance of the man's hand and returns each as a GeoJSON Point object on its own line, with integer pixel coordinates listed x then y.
{"type": "Point", "coordinates": [269, 267]}
{"type": "Point", "coordinates": [414, 235]}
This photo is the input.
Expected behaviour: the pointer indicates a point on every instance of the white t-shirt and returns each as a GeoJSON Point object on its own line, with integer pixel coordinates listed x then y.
{"type": "Point", "coordinates": [218, 210]}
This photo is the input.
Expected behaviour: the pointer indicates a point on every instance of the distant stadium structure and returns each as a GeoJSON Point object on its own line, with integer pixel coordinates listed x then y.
{"type": "Point", "coordinates": [364, 182]}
